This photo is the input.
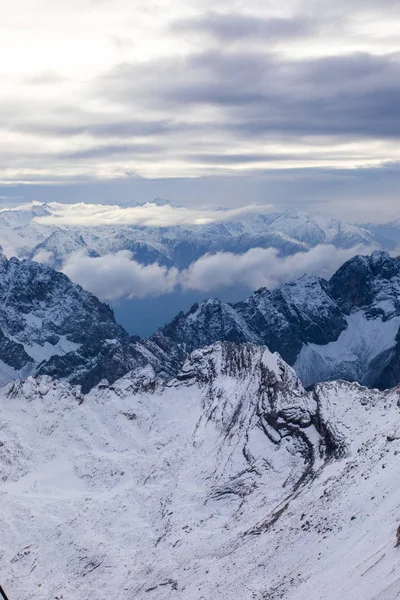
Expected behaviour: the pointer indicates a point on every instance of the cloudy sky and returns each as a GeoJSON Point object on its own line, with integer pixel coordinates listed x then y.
{"type": "Point", "coordinates": [292, 103]}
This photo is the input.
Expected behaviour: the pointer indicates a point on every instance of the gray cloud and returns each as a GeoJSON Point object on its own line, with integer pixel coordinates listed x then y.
{"type": "Point", "coordinates": [104, 127]}
{"type": "Point", "coordinates": [228, 27]}
{"type": "Point", "coordinates": [261, 94]}
{"type": "Point", "coordinates": [253, 157]}
{"type": "Point", "coordinates": [111, 150]}
{"type": "Point", "coordinates": [224, 90]}
{"type": "Point", "coordinates": [220, 109]}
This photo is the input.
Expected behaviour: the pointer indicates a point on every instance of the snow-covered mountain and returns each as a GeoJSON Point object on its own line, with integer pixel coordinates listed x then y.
{"type": "Point", "coordinates": [229, 481]}
{"type": "Point", "coordinates": [385, 234]}
{"type": "Point", "coordinates": [345, 328]}
{"type": "Point", "coordinates": [42, 314]}
{"type": "Point", "coordinates": [49, 325]}
{"type": "Point", "coordinates": [24, 236]}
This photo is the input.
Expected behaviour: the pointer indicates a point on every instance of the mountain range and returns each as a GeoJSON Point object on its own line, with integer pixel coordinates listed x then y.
{"type": "Point", "coordinates": [344, 328]}
{"type": "Point", "coordinates": [347, 327]}
{"type": "Point", "coordinates": [228, 481]}
{"type": "Point", "coordinates": [23, 235]}
{"type": "Point", "coordinates": [242, 451]}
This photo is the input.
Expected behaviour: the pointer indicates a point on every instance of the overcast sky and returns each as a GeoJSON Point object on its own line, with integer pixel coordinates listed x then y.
{"type": "Point", "coordinates": [290, 103]}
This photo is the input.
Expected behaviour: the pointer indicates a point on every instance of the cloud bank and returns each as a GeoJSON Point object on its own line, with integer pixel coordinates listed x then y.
{"type": "Point", "coordinates": [150, 214]}
{"type": "Point", "coordinates": [116, 276]}
{"type": "Point", "coordinates": [262, 267]}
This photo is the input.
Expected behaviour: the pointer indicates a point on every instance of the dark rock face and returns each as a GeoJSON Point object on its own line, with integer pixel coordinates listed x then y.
{"type": "Point", "coordinates": [50, 326]}
{"type": "Point", "coordinates": [283, 319]}
{"type": "Point", "coordinates": [308, 311]}
{"type": "Point", "coordinates": [366, 281]}
{"type": "Point", "coordinates": [390, 376]}
{"type": "Point", "coordinates": [39, 304]}
{"type": "Point", "coordinates": [12, 353]}
{"type": "Point", "coordinates": [297, 313]}
{"type": "Point", "coordinates": [113, 359]}
{"type": "Point", "coordinates": [43, 314]}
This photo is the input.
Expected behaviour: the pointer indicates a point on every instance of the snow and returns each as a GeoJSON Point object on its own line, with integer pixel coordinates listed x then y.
{"type": "Point", "coordinates": [143, 489]}
{"type": "Point", "coordinates": [363, 341]}
{"type": "Point", "coordinates": [8, 373]}
{"type": "Point", "coordinates": [40, 352]}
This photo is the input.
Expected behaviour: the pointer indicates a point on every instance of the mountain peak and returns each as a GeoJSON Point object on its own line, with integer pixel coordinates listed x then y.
{"type": "Point", "coordinates": [226, 359]}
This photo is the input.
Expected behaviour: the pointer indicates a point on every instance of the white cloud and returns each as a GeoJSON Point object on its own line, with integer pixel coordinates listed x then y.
{"type": "Point", "coordinates": [44, 256]}
{"type": "Point", "coordinates": [146, 215]}
{"type": "Point", "coordinates": [260, 267]}
{"type": "Point", "coordinates": [117, 275]}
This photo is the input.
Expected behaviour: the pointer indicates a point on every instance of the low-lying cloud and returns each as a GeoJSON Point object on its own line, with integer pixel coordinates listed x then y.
{"type": "Point", "coordinates": [146, 215]}
{"type": "Point", "coordinates": [262, 267]}
{"type": "Point", "coordinates": [116, 276]}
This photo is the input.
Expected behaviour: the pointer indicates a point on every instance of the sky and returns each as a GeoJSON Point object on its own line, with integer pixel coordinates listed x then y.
{"type": "Point", "coordinates": [227, 103]}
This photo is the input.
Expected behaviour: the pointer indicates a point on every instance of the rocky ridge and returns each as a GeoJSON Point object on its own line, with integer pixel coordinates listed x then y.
{"type": "Point", "coordinates": [229, 480]}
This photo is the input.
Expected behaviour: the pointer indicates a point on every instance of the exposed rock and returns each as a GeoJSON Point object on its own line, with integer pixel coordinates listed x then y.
{"type": "Point", "coordinates": [343, 328]}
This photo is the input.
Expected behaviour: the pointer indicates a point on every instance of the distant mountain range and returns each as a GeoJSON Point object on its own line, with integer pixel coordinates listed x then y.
{"type": "Point", "coordinates": [289, 232]}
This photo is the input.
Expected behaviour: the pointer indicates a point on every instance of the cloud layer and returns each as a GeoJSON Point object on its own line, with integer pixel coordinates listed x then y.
{"type": "Point", "coordinates": [150, 214]}
{"type": "Point", "coordinates": [238, 88]}
{"type": "Point", "coordinates": [117, 276]}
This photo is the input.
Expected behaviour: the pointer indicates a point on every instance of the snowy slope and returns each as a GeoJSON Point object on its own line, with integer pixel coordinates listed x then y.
{"type": "Point", "coordinates": [228, 482]}
{"type": "Point", "coordinates": [360, 353]}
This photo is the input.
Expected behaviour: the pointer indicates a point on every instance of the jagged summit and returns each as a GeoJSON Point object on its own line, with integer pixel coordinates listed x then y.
{"type": "Point", "coordinates": [343, 328]}
{"type": "Point", "coordinates": [44, 314]}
